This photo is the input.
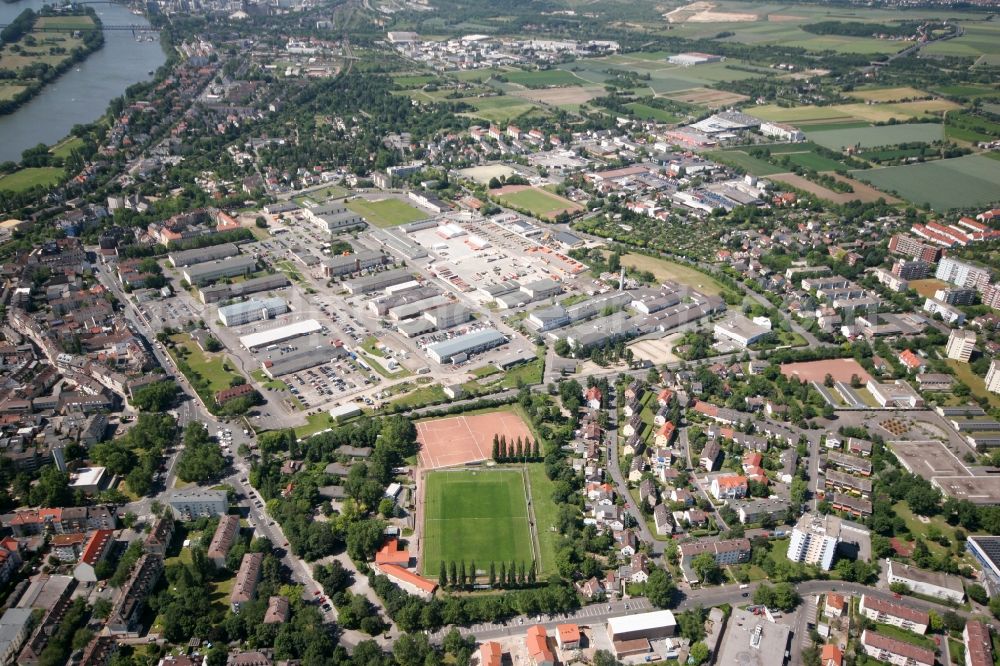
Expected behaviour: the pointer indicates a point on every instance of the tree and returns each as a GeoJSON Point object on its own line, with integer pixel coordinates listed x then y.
{"type": "Point", "coordinates": [453, 574]}
{"type": "Point", "coordinates": [443, 576]}
{"type": "Point", "coordinates": [705, 566]}
{"type": "Point", "coordinates": [698, 653]}
{"type": "Point", "coordinates": [472, 575]}
{"type": "Point", "coordinates": [977, 593]}
{"type": "Point", "coordinates": [659, 588]}
{"type": "Point", "coordinates": [462, 575]}
{"type": "Point", "coordinates": [493, 574]}
{"type": "Point", "coordinates": [157, 397]}
{"type": "Point", "coordinates": [387, 507]}
{"type": "Point", "coordinates": [503, 575]}
{"type": "Point", "coordinates": [363, 538]}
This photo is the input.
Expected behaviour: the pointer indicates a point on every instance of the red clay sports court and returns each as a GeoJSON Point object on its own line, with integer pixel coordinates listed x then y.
{"type": "Point", "coordinates": [462, 439]}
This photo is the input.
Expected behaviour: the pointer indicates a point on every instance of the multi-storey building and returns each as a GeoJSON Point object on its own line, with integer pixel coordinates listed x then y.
{"type": "Point", "coordinates": [961, 344]}
{"type": "Point", "coordinates": [963, 273]}
{"type": "Point", "coordinates": [898, 615]}
{"type": "Point", "coordinates": [814, 540]}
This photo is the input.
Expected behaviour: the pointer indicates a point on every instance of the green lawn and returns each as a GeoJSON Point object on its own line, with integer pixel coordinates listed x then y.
{"type": "Point", "coordinates": [975, 383]}
{"type": "Point", "coordinates": [475, 515]}
{"type": "Point", "coordinates": [210, 366]}
{"type": "Point", "coordinates": [421, 396]}
{"type": "Point", "coordinates": [905, 636]}
{"type": "Point", "coordinates": [66, 146]}
{"type": "Point", "coordinates": [546, 513]}
{"type": "Point", "coordinates": [538, 202]}
{"type": "Point", "coordinates": [24, 179]}
{"type": "Point", "coordinates": [387, 212]}
{"type": "Point", "coordinates": [662, 269]}
{"type": "Point", "coordinates": [65, 22]}
{"type": "Point", "coordinates": [527, 373]}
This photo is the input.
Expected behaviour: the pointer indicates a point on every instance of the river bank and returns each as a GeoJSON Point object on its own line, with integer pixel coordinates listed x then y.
{"type": "Point", "coordinates": [40, 48]}
{"type": "Point", "coordinates": [81, 95]}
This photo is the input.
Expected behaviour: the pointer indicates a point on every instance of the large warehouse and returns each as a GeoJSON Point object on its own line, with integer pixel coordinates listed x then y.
{"type": "Point", "coordinates": [206, 272]}
{"type": "Point", "coordinates": [202, 254]}
{"type": "Point", "coordinates": [302, 360]}
{"type": "Point", "coordinates": [280, 334]}
{"type": "Point", "coordinates": [238, 314]}
{"type": "Point", "coordinates": [651, 626]}
{"type": "Point", "coordinates": [458, 349]}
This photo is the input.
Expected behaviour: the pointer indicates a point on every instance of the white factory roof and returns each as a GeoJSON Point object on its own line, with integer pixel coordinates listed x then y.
{"type": "Point", "coordinates": [641, 622]}
{"type": "Point", "coordinates": [261, 338]}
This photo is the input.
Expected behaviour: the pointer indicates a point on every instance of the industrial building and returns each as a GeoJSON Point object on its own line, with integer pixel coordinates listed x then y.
{"type": "Point", "coordinates": [649, 626]}
{"type": "Point", "coordinates": [302, 359]}
{"type": "Point", "coordinates": [333, 217]}
{"type": "Point", "coordinates": [740, 330]}
{"type": "Point", "coordinates": [370, 283]}
{"type": "Point", "coordinates": [782, 132]}
{"type": "Point", "coordinates": [753, 640]}
{"type": "Point", "coordinates": [928, 583]}
{"type": "Point", "coordinates": [349, 264]}
{"type": "Point", "coordinates": [203, 273]}
{"type": "Point", "coordinates": [200, 255]}
{"type": "Point", "coordinates": [224, 292]}
{"type": "Point", "coordinates": [238, 314]}
{"type": "Point", "coordinates": [458, 349]}
{"type": "Point", "coordinates": [273, 336]}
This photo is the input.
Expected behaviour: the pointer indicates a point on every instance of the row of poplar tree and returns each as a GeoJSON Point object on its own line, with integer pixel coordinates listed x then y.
{"type": "Point", "coordinates": [457, 577]}
{"type": "Point", "coordinates": [519, 451]}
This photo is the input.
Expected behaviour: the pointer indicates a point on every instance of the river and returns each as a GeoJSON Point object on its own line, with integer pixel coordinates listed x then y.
{"type": "Point", "coordinates": [82, 93]}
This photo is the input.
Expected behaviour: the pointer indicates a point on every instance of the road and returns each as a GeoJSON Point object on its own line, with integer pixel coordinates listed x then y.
{"type": "Point", "coordinates": [621, 485]}
{"type": "Point", "coordinates": [592, 614]}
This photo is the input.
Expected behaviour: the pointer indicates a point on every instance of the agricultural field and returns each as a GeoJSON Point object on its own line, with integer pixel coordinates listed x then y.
{"type": "Point", "coordinates": [662, 269]}
{"type": "Point", "coordinates": [386, 212]}
{"type": "Point", "coordinates": [538, 202]}
{"type": "Point", "coordinates": [798, 114]}
{"type": "Point", "coordinates": [738, 158]}
{"type": "Point", "coordinates": [664, 77]}
{"type": "Point", "coordinates": [869, 137]}
{"type": "Point", "coordinates": [476, 516]}
{"type": "Point", "coordinates": [707, 97]}
{"type": "Point", "coordinates": [543, 78]}
{"type": "Point", "coordinates": [645, 112]}
{"type": "Point", "coordinates": [569, 98]}
{"type": "Point", "coordinates": [862, 192]}
{"type": "Point", "coordinates": [979, 38]}
{"type": "Point", "coordinates": [962, 182]}
{"type": "Point", "coordinates": [887, 94]}
{"type": "Point", "coordinates": [24, 179]}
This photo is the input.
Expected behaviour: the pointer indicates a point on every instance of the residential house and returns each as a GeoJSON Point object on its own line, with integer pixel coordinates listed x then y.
{"type": "Point", "coordinates": [729, 486]}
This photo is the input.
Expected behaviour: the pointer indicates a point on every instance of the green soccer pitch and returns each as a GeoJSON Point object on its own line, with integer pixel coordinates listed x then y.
{"type": "Point", "coordinates": [476, 516]}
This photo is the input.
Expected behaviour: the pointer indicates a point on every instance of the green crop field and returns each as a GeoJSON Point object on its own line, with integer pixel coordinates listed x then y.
{"type": "Point", "coordinates": [797, 114]}
{"type": "Point", "coordinates": [978, 39]}
{"type": "Point", "coordinates": [814, 161]}
{"type": "Point", "coordinates": [645, 112]}
{"type": "Point", "coordinates": [387, 212]}
{"type": "Point", "coordinates": [869, 137]}
{"type": "Point", "coordinates": [476, 515]}
{"type": "Point", "coordinates": [499, 108]}
{"type": "Point", "coordinates": [745, 161]}
{"type": "Point", "coordinates": [24, 179]}
{"type": "Point", "coordinates": [961, 182]}
{"type": "Point", "coordinates": [543, 78]}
